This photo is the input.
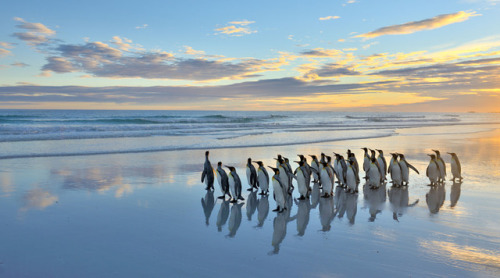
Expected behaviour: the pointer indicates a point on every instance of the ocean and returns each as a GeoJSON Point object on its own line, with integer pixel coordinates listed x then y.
{"type": "Point", "coordinates": [46, 133]}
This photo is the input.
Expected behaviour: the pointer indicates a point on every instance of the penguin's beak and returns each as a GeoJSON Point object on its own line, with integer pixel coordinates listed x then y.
{"type": "Point", "coordinates": [297, 162]}
{"type": "Point", "coordinates": [429, 154]}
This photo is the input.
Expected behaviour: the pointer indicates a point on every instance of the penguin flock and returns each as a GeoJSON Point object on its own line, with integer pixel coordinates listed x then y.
{"type": "Point", "coordinates": [325, 172]}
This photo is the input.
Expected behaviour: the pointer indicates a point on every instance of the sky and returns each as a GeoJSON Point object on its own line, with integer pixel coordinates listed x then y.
{"type": "Point", "coordinates": [336, 55]}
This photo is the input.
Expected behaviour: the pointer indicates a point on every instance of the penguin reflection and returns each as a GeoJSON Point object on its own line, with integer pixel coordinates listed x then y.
{"type": "Point", "coordinates": [208, 204]}
{"type": "Point", "coordinates": [223, 214]}
{"type": "Point", "coordinates": [234, 219]}
{"type": "Point", "coordinates": [326, 213]}
{"type": "Point", "coordinates": [456, 188]}
{"type": "Point", "coordinates": [346, 203]}
{"type": "Point", "coordinates": [279, 231]}
{"type": "Point", "coordinates": [302, 216]}
{"type": "Point", "coordinates": [375, 199]}
{"type": "Point", "coordinates": [340, 199]}
{"type": "Point", "coordinates": [315, 194]}
{"type": "Point", "coordinates": [435, 198]}
{"type": "Point", "coordinates": [262, 210]}
{"type": "Point", "coordinates": [251, 204]}
{"type": "Point", "coordinates": [399, 200]}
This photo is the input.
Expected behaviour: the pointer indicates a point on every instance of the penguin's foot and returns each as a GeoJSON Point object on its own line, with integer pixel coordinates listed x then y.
{"type": "Point", "coordinates": [277, 209]}
{"type": "Point", "coordinates": [221, 197]}
{"type": "Point", "coordinates": [241, 198]}
{"type": "Point", "coordinates": [207, 188]}
{"type": "Point", "coordinates": [262, 193]}
{"type": "Point", "coordinates": [234, 201]}
{"type": "Point", "coordinates": [250, 189]}
{"type": "Point", "coordinates": [302, 197]}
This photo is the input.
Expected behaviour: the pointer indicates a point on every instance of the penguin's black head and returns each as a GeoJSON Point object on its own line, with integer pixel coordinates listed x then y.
{"type": "Point", "coordinates": [437, 152]}
{"type": "Point", "coordinates": [328, 158]}
{"type": "Point", "coordinates": [394, 155]}
{"type": "Point", "coordinates": [380, 152]}
{"type": "Point", "coordinates": [372, 152]}
{"type": "Point", "coordinates": [336, 155]}
{"type": "Point", "coordinates": [401, 156]}
{"type": "Point", "coordinates": [206, 153]}
{"type": "Point", "coordinates": [433, 156]}
{"type": "Point", "coordinates": [286, 159]}
{"type": "Point", "coordinates": [452, 154]}
{"type": "Point", "coordinates": [365, 149]}
{"type": "Point", "coordinates": [301, 157]}
{"type": "Point", "coordinates": [313, 156]}
{"type": "Point", "coordinates": [279, 156]}
{"type": "Point", "coordinates": [219, 163]}
{"type": "Point", "coordinates": [276, 170]}
{"type": "Point", "coordinates": [301, 163]}
{"type": "Point", "coordinates": [341, 157]}
{"type": "Point", "coordinates": [349, 151]}
{"type": "Point", "coordinates": [231, 168]}
{"type": "Point", "coordinates": [249, 160]}
{"type": "Point", "coordinates": [259, 163]}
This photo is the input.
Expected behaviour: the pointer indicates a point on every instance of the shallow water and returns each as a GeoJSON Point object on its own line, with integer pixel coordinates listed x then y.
{"type": "Point", "coordinates": [147, 214]}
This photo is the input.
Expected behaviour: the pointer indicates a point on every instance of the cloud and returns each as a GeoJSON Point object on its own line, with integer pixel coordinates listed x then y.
{"type": "Point", "coordinates": [125, 44]}
{"type": "Point", "coordinates": [19, 64]}
{"type": "Point", "coordinates": [143, 26]}
{"type": "Point", "coordinates": [330, 17]}
{"type": "Point", "coordinates": [415, 26]}
{"type": "Point", "coordinates": [190, 51]}
{"type": "Point", "coordinates": [4, 52]}
{"type": "Point", "coordinates": [321, 52]}
{"type": "Point", "coordinates": [330, 70]}
{"type": "Point", "coordinates": [237, 29]}
{"type": "Point", "coordinates": [36, 34]}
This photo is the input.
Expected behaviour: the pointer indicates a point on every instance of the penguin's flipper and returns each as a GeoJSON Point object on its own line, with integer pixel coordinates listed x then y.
{"type": "Point", "coordinates": [203, 175]}
{"type": "Point", "coordinates": [412, 167]}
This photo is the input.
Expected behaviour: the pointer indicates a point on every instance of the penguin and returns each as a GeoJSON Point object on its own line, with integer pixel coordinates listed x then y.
{"type": "Point", "coordinates": [262, 178]}
{"type": "Point", "coordinates": [289, 172]}
{"type": "Point", "coordinates": [223, 181]}
{"type": "Point", "coordinates": [278, 190]}
{"type": "Point", "coordinates": [308, 172]}
{"type": "Point", "coordinates": [366, 161]}
{"type": "Point", "coordinates": [208, 173]}
{"type": "Point", "coordinates": [322, 158]}
{"type": "Point", "coordinates": [374, 156]}
{"type": "Point", "coordinates": [405, 169]}
{"type": "Point", "coordinates": [395, 171]}
{"type": "Point", "coordinates": [251, 175]}
{"type": "Point", "coordinates": [331, 170]}
{"type": "Point", "coordinates": [315, 168]}
{"type": "Point", "coordinates": [343, 167]}
{"type": "Point", "coordinates": [433, 170]}
{"type": "Point", "coordinates": [352, 157]}
{"type": "Point", "coordinates": [442, 166]}
{"type": "Point", "coordinates": [326, 180]}
{"type": "Point", "coordinates": [234, 184]}
{"type": "Point", "coordinates": [283, 175]}
{"type": "Point", "coordinates": [374, 174]}
{"type": "Point", "coordinates": [382, 163]}
{"type": "Point", "coordinates": [301, 175]}
{"type": "Point", "coordinates": [456, 168]}
{"type": "Point", "coordinates": [339, 171]}
{"type": "Point", "coordinates": [351, 177]}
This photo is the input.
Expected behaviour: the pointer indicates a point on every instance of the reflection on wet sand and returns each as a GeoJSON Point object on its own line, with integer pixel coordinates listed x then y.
{"type": "Point", "coordinates": [302, 216]}
{"type": "Point", "coordinates": [262, 210]}
{"type": "Point", "coordinates": [456, 189]}
{"type": "Point", "coordinates": [435, 198]}
{"type": "Point", "coordinates": [399, 200]}
{"type": "Point", "coordinates": [234, 219]}
{"type": "Point", "coordinates": [208, 204]}
{"type": "Point", "coordinates": [279, 231]}
{"type": "Point", "coordinates": [346, 203]}
{"type": "Point", "coordinates": [326, 213]}
{"type": "Point", "coordinates": [374, 199]}
{"type": "Point", "coordinates": [251, 204]}
{"type": "Point", "coordinates": [315, 193]}
{"type": "Point", "coordinates": [223, 214]}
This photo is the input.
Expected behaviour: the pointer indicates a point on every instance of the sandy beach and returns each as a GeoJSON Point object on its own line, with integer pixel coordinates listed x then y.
{"type": "Point", "coordinates": [148, 215]}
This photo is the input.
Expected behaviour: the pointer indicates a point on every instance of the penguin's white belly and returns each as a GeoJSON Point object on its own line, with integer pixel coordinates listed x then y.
{"type": "Point", "coordinates": [374, 175]}
{"type": "Point", "coordinates": [315, 166]}
{"type": "Point", "coordinates": [248, 174]}
{"type": "Point", "coordinates": [278, 194]}
{"type": "Point", "coordinates": [219, 180]}
{"type": "Point", "coordinates": [405, 172]}
{"type": "Point", "coordinates": [366, 164]}
{"type": "Point", "coordinates": [326, 180]}
{"type": "Point", "coordinates": [284, 180]}
{"type": "Point", "coordinates": [382, 165]}
{"type": "Point", "coordinates": [432, 172]}
{"type": "Point", "coordinates": [301, 181]}
{"type": "Point", "coordinates": [263, 182]}
{"type": "Point", "coordinates": [351, 179]}
{"type": "Point", "coordinates": [454, 169]}
{"type": "Point", "coordinates": [396, 174]}
{"type": "Point", "coordinates": [232, 186]}
{"type": "Point", "coordinates": [442, 174]}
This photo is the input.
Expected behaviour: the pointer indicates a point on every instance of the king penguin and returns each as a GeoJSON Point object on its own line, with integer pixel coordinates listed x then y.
{"type": "Point", "coordinates": [301, 176]}
{"type": "Point", "coordinates": [456, 168]}
{"type": "Point", "coordinates": [278, 191]}
{"type": "Point", "coordinates": [315, 168]}
{"type": "Point", "coordinates": [395, 171]}
{"type": "Point", "coordinates": [251, 175]}
{"type": "Point", "coordinates": [382, 163]}
{"type": "Point", "coordinates": [442, 166]}
{"type": "Point", "coordinates": [262, 178]}
{"type": "Point", "coordinates": [433, 170]}
{"type": "Point", "coordinates": [351, 177]}
{"type": "Point", "coordinates": [352, 157]}
{"type": "Point", "coordinates": [234, 184]}
{"type": "Point", "coordinates": [326, 180]}
{"type": "Point", "coordinates": [208, 173]}
{"type": "Point", "coordinates": [366, 162]}
{"type": "Point", "coordinates": [405, 169]}
{"type": "Point", "coordinates": [223, 181]}
{"type": "Point", "coordinates": [374, 174]}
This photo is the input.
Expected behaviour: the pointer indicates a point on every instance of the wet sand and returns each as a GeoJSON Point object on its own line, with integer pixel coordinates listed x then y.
{"type": "Point", "coordinates": [147, 214]}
